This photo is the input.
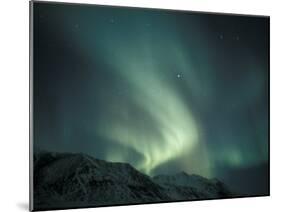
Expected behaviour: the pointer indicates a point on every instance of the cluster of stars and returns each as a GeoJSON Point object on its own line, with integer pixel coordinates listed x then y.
{"type": "Point", "coordinates": [237, 37]}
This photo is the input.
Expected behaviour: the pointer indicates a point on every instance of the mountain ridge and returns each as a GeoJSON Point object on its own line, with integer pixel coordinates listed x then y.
{"type": "Point", "coordinates": [79, 180]}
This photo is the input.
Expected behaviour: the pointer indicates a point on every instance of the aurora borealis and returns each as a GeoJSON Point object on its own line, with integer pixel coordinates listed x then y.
{"type": "Point", "coordinates": [165, 91]}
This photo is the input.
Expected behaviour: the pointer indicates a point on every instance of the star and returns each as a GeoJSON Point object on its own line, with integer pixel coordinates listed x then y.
{"type": "Point", "coordinates": [178, 76]}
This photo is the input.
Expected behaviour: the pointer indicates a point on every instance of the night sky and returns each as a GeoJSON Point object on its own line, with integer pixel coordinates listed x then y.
{"type": "Point", "coordinates": [165, 91]}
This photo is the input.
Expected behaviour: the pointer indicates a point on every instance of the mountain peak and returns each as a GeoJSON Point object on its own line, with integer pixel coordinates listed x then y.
{"type": "Point", "coordinates": [79, 180]}
{"type": "Point", "coordinates": [182, 173]}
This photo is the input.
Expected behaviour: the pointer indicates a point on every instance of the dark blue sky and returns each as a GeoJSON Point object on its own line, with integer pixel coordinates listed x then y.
{"type": "Point", "coordinates": [165, 91]}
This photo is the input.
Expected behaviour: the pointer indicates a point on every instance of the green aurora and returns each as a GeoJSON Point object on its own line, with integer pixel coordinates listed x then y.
{"type": "Point", "coordinates": [164, 91]}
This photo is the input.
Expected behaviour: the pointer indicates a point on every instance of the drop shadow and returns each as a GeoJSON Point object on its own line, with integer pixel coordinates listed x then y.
{"type": "Point", "coordinates": [23, 206]}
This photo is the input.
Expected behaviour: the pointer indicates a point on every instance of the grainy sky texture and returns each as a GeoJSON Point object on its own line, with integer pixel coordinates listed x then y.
{"type": "Point", "coordinates": [165, 91]}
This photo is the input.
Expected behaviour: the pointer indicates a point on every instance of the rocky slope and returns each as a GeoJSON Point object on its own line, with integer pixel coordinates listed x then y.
{"type": "Point", "coordinates": [66, 180]}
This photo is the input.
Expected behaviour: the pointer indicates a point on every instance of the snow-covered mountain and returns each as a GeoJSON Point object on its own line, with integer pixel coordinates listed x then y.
{"type": "Point", "coordinates": [66, 180]}
{"type": "Point", "coordinates": [185, 187]}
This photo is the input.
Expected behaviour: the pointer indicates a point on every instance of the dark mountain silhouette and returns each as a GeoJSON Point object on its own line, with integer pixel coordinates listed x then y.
{"type": "Point", "coordinates": [67, 180]}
